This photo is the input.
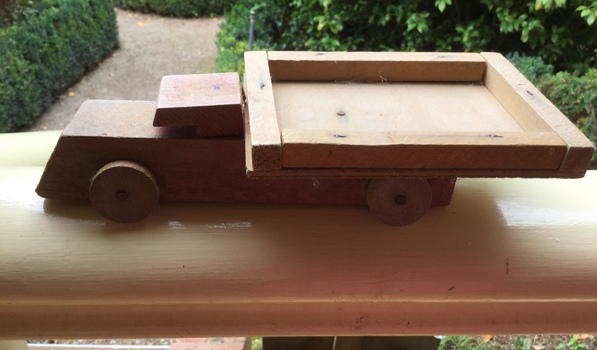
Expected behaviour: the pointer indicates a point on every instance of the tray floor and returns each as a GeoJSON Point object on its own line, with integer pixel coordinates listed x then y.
{"type": "Point", "coordinates": [374, 107]}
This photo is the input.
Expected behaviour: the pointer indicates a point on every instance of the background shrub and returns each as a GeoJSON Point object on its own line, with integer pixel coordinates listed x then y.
{"type": "Point", "coordinates": [533, 68]}
{"type": "Point", "coordinates": [576, 97]}
{"type": "Point", "coordinates": [46, 49]}
{"type": "Point", "coordinates": [177, 8]}
{"type": "Point", "coordinates": [14, 10]}
{"type": "Point", "coordinates": [561, 32]}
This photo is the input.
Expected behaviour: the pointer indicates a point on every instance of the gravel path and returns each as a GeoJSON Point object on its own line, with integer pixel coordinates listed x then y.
{"type": "Point", "coordinates": [150, 47]}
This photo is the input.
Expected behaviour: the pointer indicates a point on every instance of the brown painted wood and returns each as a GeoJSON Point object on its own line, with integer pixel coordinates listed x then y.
{"type": "Point", "coordinates": [210, 102]}
{"type": "Point", "coordinates": [375, 66]}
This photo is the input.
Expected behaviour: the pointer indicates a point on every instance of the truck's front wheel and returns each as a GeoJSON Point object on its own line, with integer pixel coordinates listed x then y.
{"type": "Point", "coordinates": [399, 201]}
{"type": "Point", "coordinates": [124, 191]}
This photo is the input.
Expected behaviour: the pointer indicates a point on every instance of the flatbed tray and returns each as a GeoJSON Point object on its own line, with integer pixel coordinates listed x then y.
{"type": "Point", "coordinates": [378, 114]}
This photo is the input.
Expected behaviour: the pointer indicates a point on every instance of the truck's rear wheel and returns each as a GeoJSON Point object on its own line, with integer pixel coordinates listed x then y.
{"type": "Point", "coordinates": [397, 201]}
{"type": "Point", "coordinates": [124, 191]}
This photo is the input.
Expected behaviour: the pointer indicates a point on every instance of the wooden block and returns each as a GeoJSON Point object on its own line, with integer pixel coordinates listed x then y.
{"type": "Point", "coordinates": [211, 102]}
{"type": "Point", "coordinates": [420, 150]}
{"type": "Point", "coordinates": [375, 66]}
{"type": "Point", "coordinates": [262, 129]}
{"type": "Point", "coordinates": [535, 112]}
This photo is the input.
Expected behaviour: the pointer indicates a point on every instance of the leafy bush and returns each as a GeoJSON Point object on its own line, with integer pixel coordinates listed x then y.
{"type": "Point", "coordinates": [48, 49]}
{"type": "Point", "coordinates": [463, 343]}
{"type": "Point", "coordinates": [561, 32]}
{"type": "Point", "coordinates": [12, 11]}
{"type": "Point", "coordinates": [233, 39]}
{"type": "Point", "coordinates": [577, 98]}
{"type": "Point", "coordinates": [177, 8]}
{"type": "Point", "coordinates": [533, 68]}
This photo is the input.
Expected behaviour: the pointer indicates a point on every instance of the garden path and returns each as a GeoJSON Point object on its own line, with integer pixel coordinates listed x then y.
{"type": "Point", "coordinates": [150, 47]}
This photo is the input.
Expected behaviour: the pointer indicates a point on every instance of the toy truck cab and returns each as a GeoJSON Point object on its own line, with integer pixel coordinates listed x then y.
{"type": "Point", "coordinates": [390, 130]}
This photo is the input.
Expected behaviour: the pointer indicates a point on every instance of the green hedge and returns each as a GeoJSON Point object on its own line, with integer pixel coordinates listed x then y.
{"type": "Point", "coordinates": [576, 97]}
{"type": "Point", "coordinates": [178, 8]}
{"type": "Point", "coordinates": [562, 32]}
{"type": "Point", "coordinates": [49, 50]}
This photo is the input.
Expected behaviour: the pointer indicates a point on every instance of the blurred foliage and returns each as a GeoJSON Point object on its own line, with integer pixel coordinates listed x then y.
{"type": "Point", "coordinates": [518, 342]}
{"type": "Point", "coordinates": [463, 343]}
{"type": "Point", "coordinates": [577, 98]}
{"type": "Point", "coordinates": [563, 33]}
{"type": "Point", "coordinates": [46, 48]}
{"type": "Point", "coordinates": [12, 11]}
{"type": "Point", "coordinates": [533, 68]}
{"type": "Point", "coordinates": [177, 8]}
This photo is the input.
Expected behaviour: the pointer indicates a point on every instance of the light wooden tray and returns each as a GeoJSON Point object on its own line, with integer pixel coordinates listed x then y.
{"type": "Point", "coordinates": [366, 114]}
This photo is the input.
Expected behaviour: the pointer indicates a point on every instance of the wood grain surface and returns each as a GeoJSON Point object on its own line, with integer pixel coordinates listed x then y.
{"type": "Point", "coordinates": [261, 125]}
{"type": "Point", "coordinates": [512, 152]}
{"type": "Point", "coordinates": [375, 66]}
{"type": "Point", "coordinates": [404, 107]}
{"type": "Point", "coordinates": [210, 102]}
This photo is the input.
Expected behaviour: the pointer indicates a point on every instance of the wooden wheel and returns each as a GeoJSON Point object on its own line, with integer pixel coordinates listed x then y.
{"type": "Point", "coordinates": [124, 191]}
{"type": "Point", "coordinates": [398, 202]}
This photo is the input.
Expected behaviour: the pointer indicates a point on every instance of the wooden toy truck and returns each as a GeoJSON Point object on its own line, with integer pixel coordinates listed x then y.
{"type": "Point", "coordinates": [390, 130]}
